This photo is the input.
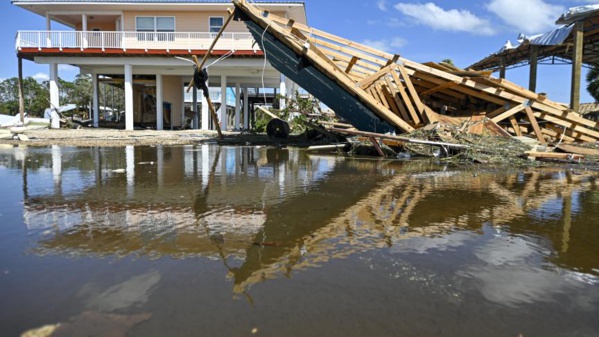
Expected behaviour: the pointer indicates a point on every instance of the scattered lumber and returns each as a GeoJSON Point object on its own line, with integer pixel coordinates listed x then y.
{"type": "Point", "coordinates": [555, 155]}
{"type": "Point", "coordinates": [578, 150]}
{"type": "Point", "coordinates": [398, 138]}
{"type": "Point", "coordinates": [380, 92]}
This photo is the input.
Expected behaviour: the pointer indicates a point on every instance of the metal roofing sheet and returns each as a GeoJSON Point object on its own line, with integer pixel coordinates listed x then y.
{"type": "Point", "coordinates": [577, 13]}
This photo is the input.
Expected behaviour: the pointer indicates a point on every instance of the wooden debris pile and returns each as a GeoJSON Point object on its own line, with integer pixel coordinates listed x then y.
{"type": "Point", "coordinates": [408, 95]}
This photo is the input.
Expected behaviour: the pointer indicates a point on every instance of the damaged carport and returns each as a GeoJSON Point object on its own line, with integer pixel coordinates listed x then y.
{"type": "Point", "coordinates": [381, 92]}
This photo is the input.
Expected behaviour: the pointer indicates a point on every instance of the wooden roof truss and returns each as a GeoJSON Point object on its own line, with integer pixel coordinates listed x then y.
{"type": "Point", "coordinates": [409, 95]}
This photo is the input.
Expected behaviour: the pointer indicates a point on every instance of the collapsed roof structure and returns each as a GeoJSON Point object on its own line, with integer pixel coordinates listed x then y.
{"type": "Point", "coordinates": [380, 92]}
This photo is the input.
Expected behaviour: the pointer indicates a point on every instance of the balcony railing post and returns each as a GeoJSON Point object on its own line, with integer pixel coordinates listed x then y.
{"type": "Point", "coordinates": [39, 40]}
{"type": "Point", "coordinates": [60, 41]}
{"type": "Point", "coordinates": [189, 42]}
{"type": "Point", "coordinates": [103, 49]}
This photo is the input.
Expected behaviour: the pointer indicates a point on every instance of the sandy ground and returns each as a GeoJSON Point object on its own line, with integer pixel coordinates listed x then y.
{"type": "Point", "coordinates": [111, 137]}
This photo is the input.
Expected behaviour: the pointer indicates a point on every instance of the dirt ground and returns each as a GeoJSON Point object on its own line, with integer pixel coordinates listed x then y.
{"type": "Point", "coordinates": [111, 137]}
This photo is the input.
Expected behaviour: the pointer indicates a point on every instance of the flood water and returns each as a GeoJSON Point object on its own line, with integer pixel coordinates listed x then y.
{"type": "Point", "coordinates": [240, 241]}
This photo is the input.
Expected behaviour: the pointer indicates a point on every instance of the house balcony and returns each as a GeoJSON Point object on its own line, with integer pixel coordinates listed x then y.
{"type": "Point", "coordinates": [35, 43]}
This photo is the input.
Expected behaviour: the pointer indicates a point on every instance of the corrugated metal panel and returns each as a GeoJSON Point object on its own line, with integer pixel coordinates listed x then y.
{"type": "Point", "coordinates": [576, 14]}
{"type": "Point", "coordinates": [552, 38]}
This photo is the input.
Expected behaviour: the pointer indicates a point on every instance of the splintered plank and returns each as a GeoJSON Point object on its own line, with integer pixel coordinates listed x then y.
{"type": "Point", "coordinates": [578, 150]}
{"type": "Point", "coordinates": [391, 101]}
{"type": "Point", "coordinates": [411, 89]}
{"type": "Point", "coordinates": [557, 135]}
{"type": "Point", "coordinates": [430, 114]}
{"type": "Point", "coordinates": [535, 125]}
{"type": "Point", "coordinates": [368, 80]}
{"type": "Point", "coordinates": [572, 125]}
{"type": "Point", "coordinates": [569, 133]}
{"type": "Point", "coordinates": [508, 113]}
{"type": "Point", "coordinates": [554, 155]}
{"type": "Point", "coordinates": [405, 98]}
{"type": "Point", "coordinates": [319, 53]}
{"type": "Point", "coordinates": [351, 64]}
{"type": "Point", "coordinates": [515, 126]}
{"type": "Point", "coordinates": [497, 111]}
{"type": "Point", "coordinates": [438, 88]}
{"type": "Point", "coordinates": [348, 51]}
{"type": "Point", "coordinates": [398, 102]}
{"type": "Point", "coordinates": [379, 90]}
{"type": "Point", "coordinates": [334, 38]}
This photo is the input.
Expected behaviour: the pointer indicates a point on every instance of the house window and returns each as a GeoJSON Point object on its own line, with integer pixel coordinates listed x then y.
{"type": "Point", "coordinates": [216, 23]}
{"type": "Point", "coordinates": [155, 28]}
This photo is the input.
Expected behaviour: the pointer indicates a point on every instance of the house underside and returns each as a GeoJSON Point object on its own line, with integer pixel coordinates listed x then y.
{"type": "Point", "coordinates": [146, 51]}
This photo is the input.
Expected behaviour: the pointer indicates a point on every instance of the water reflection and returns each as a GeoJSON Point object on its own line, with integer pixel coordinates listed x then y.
{"type": "Point", "coordinates": [267, 212]}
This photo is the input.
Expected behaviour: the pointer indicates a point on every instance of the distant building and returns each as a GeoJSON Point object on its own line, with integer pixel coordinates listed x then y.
{"type": "Point", "coordinates": [590, 111]}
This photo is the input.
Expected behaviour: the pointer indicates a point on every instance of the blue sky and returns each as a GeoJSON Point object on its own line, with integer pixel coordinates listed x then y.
{"type": "Point", "coordinates": [464, 31]}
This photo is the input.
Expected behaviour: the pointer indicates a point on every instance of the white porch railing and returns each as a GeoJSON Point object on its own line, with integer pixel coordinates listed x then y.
{"type": "Point", "coordinates": [133, 40]}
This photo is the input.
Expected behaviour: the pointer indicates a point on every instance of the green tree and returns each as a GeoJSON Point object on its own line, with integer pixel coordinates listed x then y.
{"type": "Point", "coordinates": [35, 96]}
{"type": "Point", "coordinates": [82, 92]}
{"type": "Point", "coordinates": [592, 80]}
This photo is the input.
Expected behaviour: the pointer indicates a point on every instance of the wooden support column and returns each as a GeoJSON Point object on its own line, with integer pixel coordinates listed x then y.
{"type": "Point", "coordinates": [532, 79]}
{"type": "Point", "coordinates": [502, 67]}
{"type": "Point", "coordinates": [576, 65]}
{"type": "Point", "coordinates": [21, 98]}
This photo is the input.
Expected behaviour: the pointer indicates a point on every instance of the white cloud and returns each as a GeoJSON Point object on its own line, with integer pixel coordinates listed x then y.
{"type": "Point", "coordinates": [386, 45]}
{"type": "Point", "coordinates": [382, 5]}
{"type": "Point", "coordinates": [40, 77]}
{"type": "Point", "coordinates": [391, 22]}
{"type": "Point", "coordinates": [528, 16]}
{"type": "Point", "coordinates": [452, 20]}
{"type": "Point", "coordinates": [67, 68]}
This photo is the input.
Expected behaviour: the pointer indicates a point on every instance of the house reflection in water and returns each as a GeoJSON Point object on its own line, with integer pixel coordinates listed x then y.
{"type": "Point", "coordinates": [268, 212]}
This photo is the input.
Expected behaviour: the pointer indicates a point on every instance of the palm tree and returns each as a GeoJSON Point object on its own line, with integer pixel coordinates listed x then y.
{"type": "Point", "coordinates": [593, 82]}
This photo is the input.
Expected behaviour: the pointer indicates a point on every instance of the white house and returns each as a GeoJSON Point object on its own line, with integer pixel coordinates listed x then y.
{"type": "Point", "coordinates": [143, 45]}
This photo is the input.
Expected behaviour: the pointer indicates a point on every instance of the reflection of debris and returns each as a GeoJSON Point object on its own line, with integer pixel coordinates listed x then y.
{"type": "Point", "coordinates": [91, 323]}
{"type": "Point", "coordinates": [134, 291]}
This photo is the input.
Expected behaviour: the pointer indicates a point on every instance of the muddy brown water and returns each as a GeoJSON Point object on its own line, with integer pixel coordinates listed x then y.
{"type": "Point", "coordinates": [238, 241]}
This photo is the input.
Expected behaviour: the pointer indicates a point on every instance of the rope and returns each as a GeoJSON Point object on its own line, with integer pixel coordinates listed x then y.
{"type": "Point", "coordinates": [561, 138]}
{"type": "Point", "coordinates": [225, 56]}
